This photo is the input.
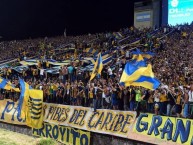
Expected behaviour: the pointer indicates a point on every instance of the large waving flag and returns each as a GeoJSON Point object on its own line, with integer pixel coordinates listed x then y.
{"type": "Point", "coordinates": [24, 93]}
{"type": "Point", "coordinates": [143, 76]}
{"type": "Point", "coordinates": [97, 67]}
{"type": "Point", "coordinates": [132, 73]}
{"type": "Point", "coordinates": [7, 85]}
{"type": "Point", "coordinates": [30, 105]}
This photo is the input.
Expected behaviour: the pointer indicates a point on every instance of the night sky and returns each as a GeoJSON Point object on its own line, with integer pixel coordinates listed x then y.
{"type": "Point", "coordinates": [21, 19]}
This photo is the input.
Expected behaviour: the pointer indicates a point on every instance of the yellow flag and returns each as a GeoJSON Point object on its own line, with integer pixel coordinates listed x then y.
{"type": "Point", "coordinates": [33, 108]}
{"type": "Point", "coordinates": [97, 67]}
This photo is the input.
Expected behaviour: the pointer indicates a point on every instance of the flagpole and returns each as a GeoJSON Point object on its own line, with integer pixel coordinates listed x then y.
{"type": "Point", "coordinates": [65, 32]}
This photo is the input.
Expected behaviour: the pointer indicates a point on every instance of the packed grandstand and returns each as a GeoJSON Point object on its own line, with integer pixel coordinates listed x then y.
{"type": "Point", "coordinates": [62, 67]}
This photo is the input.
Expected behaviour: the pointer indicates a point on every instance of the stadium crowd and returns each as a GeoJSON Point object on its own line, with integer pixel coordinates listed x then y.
{"type": "Point", "coordinates": [172, 65]}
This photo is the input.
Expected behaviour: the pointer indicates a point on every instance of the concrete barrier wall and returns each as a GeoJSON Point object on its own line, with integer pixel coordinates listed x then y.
{"type": "Point", "coordinates": [96, 139]}
{"type": "Point", "coordinates": [16, 128]}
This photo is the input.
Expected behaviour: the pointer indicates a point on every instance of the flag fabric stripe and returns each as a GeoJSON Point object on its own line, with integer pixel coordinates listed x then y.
{"type": "Point", "coordinates": [3, 83]}
{"type": "Point", "coordinates": [139, 64]}
{"type": "Point", "coordinates": [151, 83]}
{"type": "Point", "coordinates": [146, 55]}
{"type": "Point", "coordinates": [24, 93]}
{"type": "Point", "coordinates": [90, 50]}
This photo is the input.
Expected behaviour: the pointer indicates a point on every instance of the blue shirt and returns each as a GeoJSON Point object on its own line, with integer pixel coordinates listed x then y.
{"type": "Point", "coordinates": [70, 69]}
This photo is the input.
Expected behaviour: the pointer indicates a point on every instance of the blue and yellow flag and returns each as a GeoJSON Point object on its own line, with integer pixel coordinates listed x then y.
{"type": "Point", "coordinates": [91, 51]}
{"type": "Point", "coordinates": [30, 105]}
{"type": "Point", "coordinates": [147, 82]}
{"type": "Point", "coordinates": [138, 57]}
{"type": "Point", "coordinates": [132, 73]}
{"type": "Point", "coordinates": [139, 64]}
{"type": "Point", "coordinates": [136, 52]}
{"type": "Point", "coordinates": [97, 67]}
{"type": "Point", "coordinates": [143, 76]}
{"type": "Point", "coordinates": [7, 85]}
{"type": "Point", "coordinates": [24, 87]}
{"type": "Point", "coordinates": [104, 56]}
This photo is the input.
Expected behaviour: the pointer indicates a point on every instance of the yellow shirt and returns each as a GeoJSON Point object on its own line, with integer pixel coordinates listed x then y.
{"type": "Point", "coordinates": [37, 86]}
{"type": "Point", "coordinates": [55, 87]}
{"type": "Point", "coordinates": [39, 64]}
{"type": "Point", "coordinates": [34, 72]}
{"type": "Point", "coordinates": [75, 92]}
{"type": "Point", "coordinates": [150, 100]}
{"type": "Point", "coordinates": [68, 87]}
{"type": "Point", "coordinates": [163, 98]}
{"type": "Point", "coordinates": [24, 74]}
{"type": "Point", "coordinates": [47, 64]}
{"type": "Point", "coordinates": [90, 94]}
{"type": "Point", "coordinates": [184, 34]}
{"type": "Point", "coordinates": [47, 91]}
{"type": "Point", "coordinates": [178, 100]}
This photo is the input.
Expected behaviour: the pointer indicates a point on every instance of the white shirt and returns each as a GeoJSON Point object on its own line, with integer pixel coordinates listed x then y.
{"type": "Point", "coordinates": [120, 69]}
{"type": "Point", "coordinates": [165, 30]}
{"type": "Point", "coordinates": [103, 95]}
{"type": "Point", "coordinates": [127, 54]}
{"type": "Point", "coordinates": [95, 90]}
{"type": "Point", "coordinates": [156, 98]}
{"type": "Point", "coordinates": [110, 71]}
{"type": "Point", "coordinates": [190, 95]}
{"type": "Point", "coordinates": [41, 71]}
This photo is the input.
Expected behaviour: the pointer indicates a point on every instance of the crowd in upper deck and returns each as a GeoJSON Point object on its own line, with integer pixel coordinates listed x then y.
{"type": "Point", "coordinates": [172, 65]}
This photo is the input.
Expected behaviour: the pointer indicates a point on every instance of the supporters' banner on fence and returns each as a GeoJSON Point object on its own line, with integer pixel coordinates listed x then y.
{"type": "Point", "coordinates": [66, 135]}
{"type": "Point", "coordinates": [117, 123]}
{"type": "Point", "coordinates": [9, 113]}
{"type": "Point", "coordinates": [163, 130]}
{"type": "Point", "coordinates": [147, 128]}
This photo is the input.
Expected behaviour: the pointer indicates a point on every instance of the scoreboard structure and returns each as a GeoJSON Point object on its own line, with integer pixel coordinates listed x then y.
{"type": "Point", "coordinates": [151, 13]}
{"type": "Point", "coordinates": [147, 13]}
